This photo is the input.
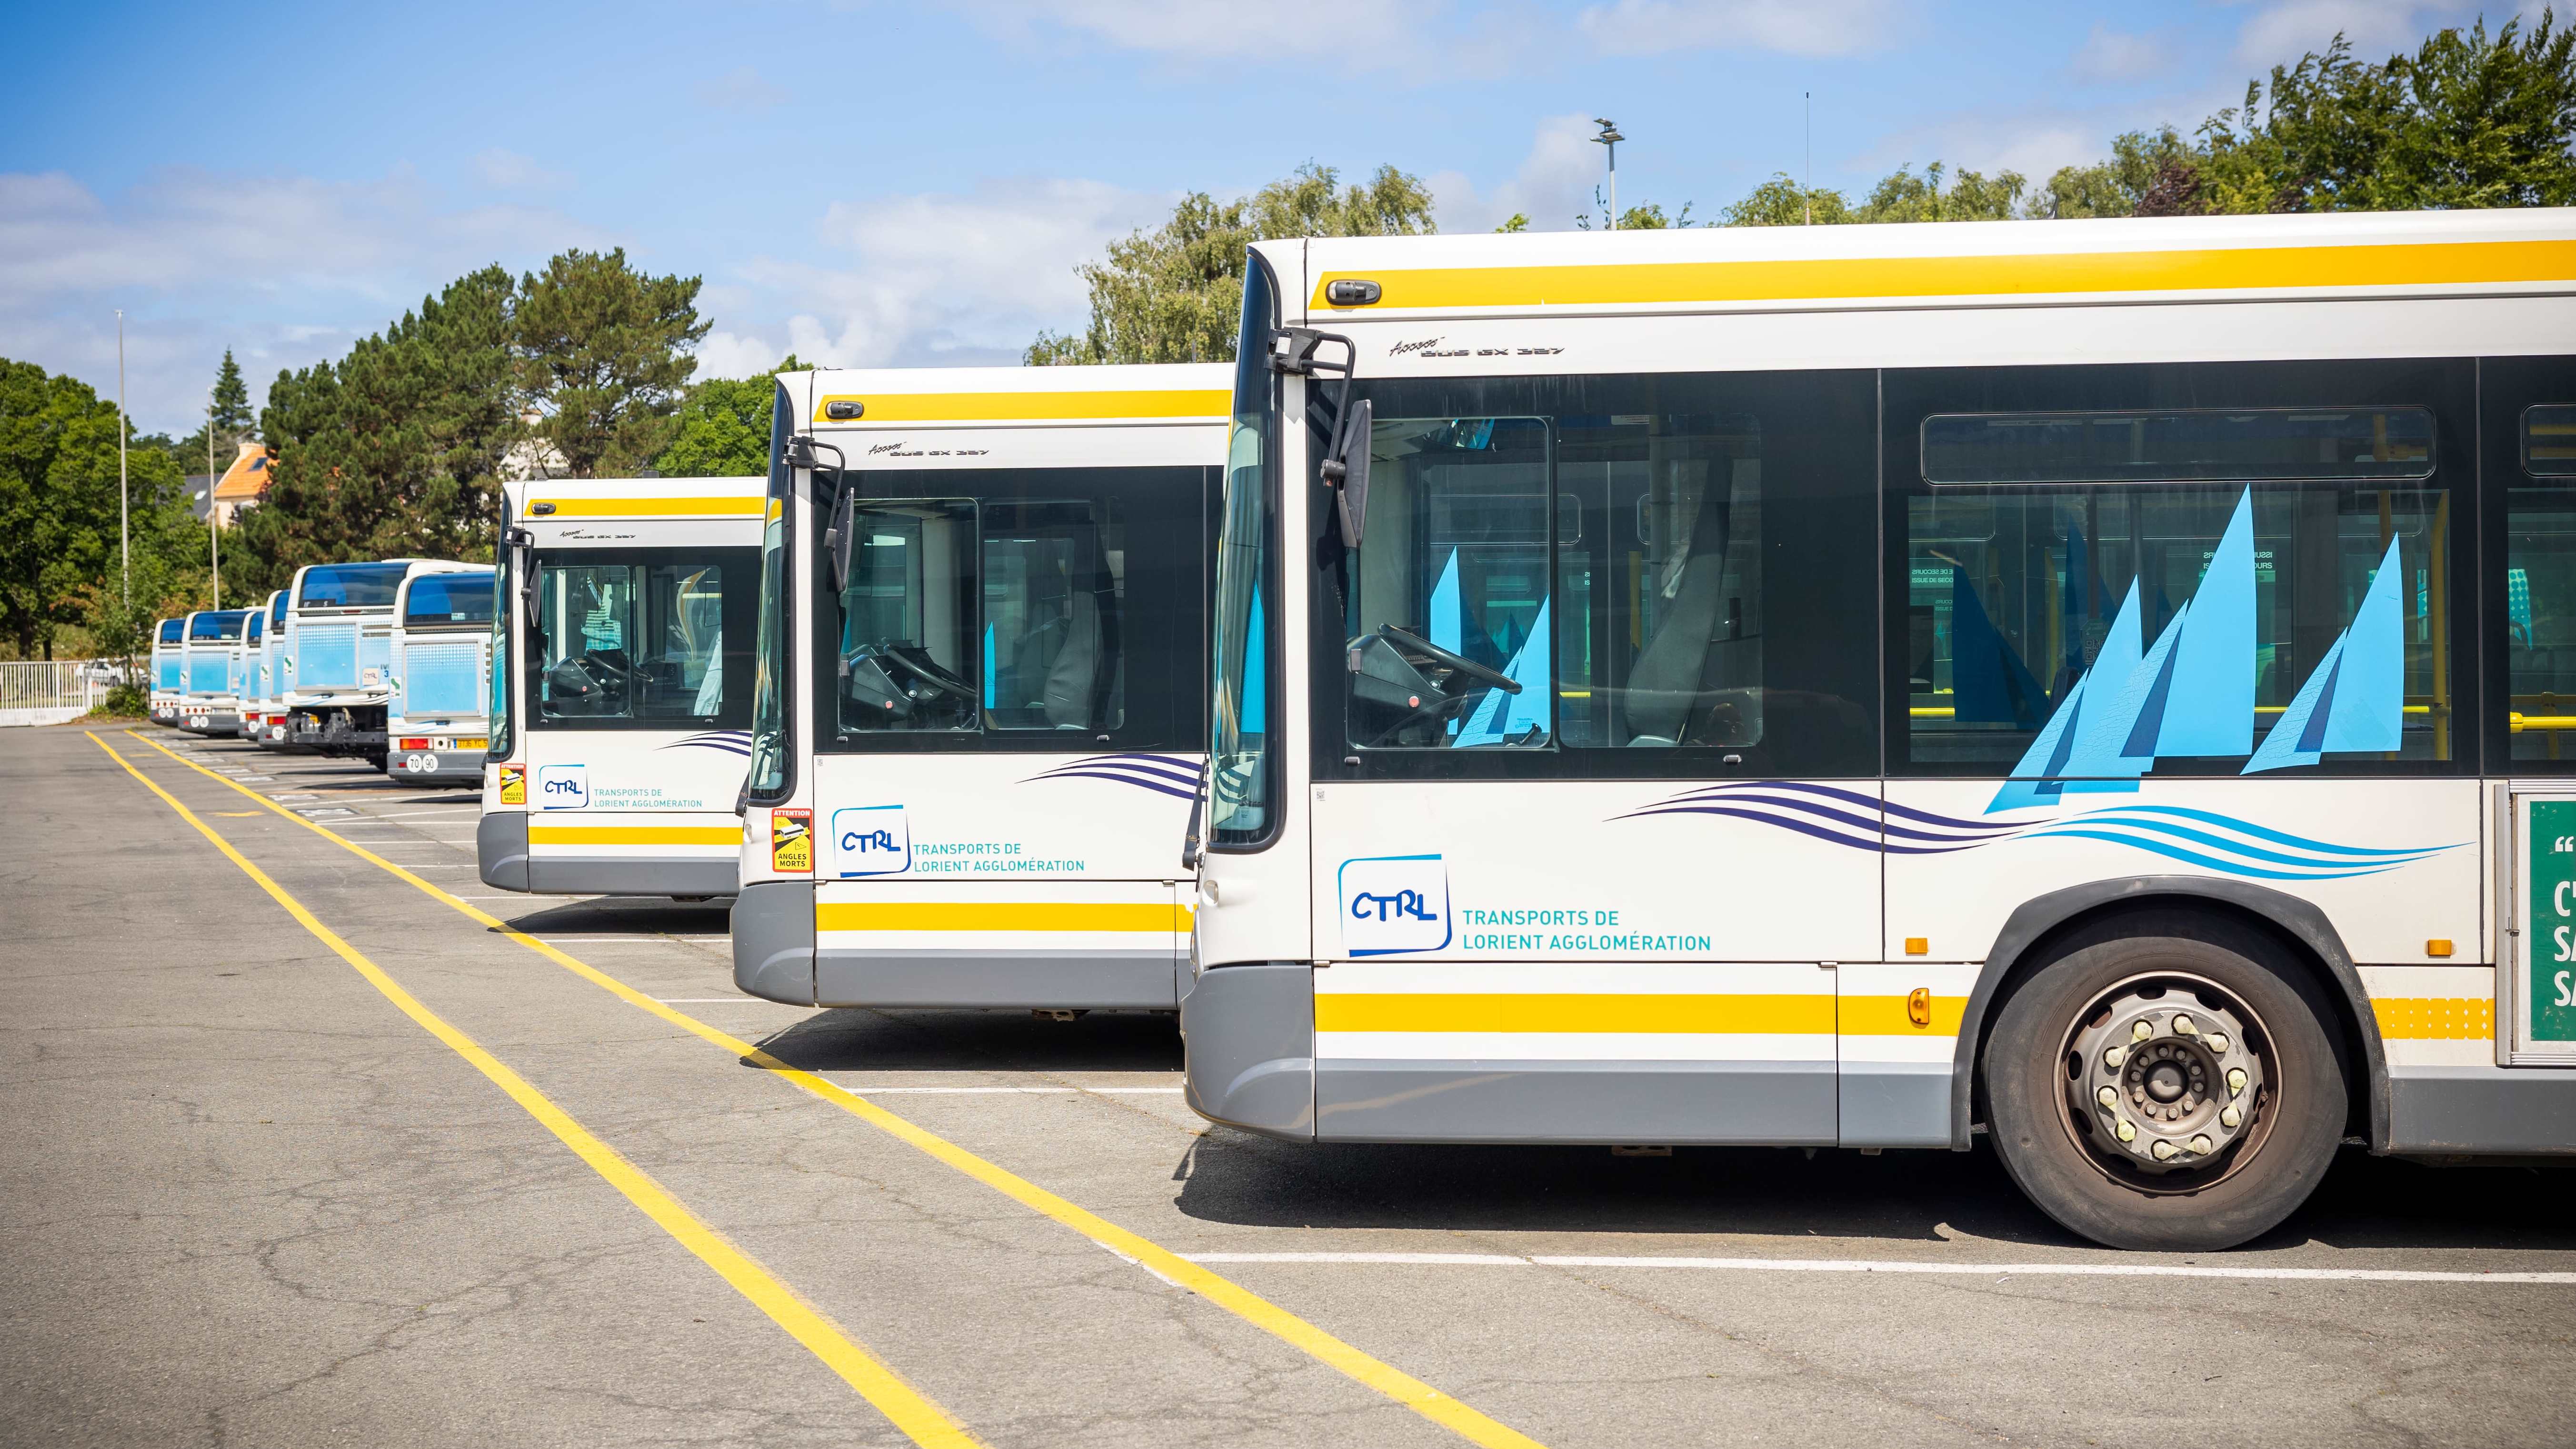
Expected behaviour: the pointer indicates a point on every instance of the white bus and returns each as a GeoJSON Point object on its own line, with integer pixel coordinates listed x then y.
{"type": "Point", "coordinates": [621, 721]}
{"type": "Point", "coordinates": [435, 729]}
{"type": "Point", "coordinates": [339, 657]}
{"type": "Point", "coordinates": [2095, 685]}
{"type": "Point", "coordinates": [168, 635]}
{"type": "Point", "coordinates": [206, 649]}
{"type": "Point", "coordinates": [264, 714]}
{"type": "Point", "coordinates": [244, 667]}
{"type": "Point", "coordinates": [978, 730]}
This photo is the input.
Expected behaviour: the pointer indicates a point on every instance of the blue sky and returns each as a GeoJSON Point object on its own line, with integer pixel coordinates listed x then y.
{"type": "Point", "coordinates": [912, 185]}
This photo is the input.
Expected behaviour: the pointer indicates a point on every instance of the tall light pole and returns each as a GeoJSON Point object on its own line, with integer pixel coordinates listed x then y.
{"type": "Point", "coordinates": [1611, 138]}
{"type": "Point", "coordinates": [1809, 185]}
{"type": "Point", "coordinates": [124, 535]}
{"type": "Point", "coordinates": [214, 546]}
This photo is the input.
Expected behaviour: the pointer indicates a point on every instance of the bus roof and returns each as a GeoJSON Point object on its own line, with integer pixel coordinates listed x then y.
{"type": "Point", "coordinates": [2524, 250]}
{"type": "Point", "coordinates": [638, 498]}
{"type": "Point", "coordinates": [912, 397]}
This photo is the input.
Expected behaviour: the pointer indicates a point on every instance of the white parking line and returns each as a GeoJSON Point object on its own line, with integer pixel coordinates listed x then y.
{"type": "Point", "coordinates": [1896, 1265]}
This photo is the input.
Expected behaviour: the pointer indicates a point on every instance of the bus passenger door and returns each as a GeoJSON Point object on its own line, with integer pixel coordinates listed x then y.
{"type": "Point", "coordinates": [1560, 894]}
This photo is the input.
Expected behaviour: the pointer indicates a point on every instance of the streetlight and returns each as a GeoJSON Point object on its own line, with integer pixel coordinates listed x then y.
{"type": "Point", "coordinates": [124, 545]}
{"type": "Point", "coordinates": [1611, 138]}
{"type": "Point", "coordinates": [214, 546]}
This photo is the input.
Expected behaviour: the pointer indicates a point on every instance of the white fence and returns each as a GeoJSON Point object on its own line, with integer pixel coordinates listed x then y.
{"type": "Point", "coordinates": [50, 691]}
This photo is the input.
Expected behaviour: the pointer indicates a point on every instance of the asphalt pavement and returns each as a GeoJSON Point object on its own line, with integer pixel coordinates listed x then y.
{"type": "Point", "coordinates": [301, 1145]}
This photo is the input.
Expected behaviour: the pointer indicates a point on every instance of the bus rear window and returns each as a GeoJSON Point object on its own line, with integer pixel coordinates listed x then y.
{"type": "Point", "coordinates": [225, 625]}
{"type": "Point", "coordinates": [351, 586]}
{"type": "Point", "coordinates": [171, 630]}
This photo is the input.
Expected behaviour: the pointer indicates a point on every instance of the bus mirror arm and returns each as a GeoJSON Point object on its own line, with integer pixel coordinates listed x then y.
{"type": "Point", "coordinates": [523, 555]}
{"type": "Point", "coordinates": [1345, 467]}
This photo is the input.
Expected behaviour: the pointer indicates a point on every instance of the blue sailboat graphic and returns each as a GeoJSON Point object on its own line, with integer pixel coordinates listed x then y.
{"type": "Point", "coordinates": [2191, 692]}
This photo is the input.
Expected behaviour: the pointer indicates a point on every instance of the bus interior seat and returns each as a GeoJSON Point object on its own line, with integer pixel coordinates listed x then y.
{"type": "Point", "coordinates": [1071, 684]}
{"type": "Point", "coordinates": [1665, 683]}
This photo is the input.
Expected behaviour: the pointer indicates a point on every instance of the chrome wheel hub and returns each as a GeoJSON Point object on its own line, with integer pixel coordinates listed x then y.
{"type": "Point", "coordinates": [2167, 1080]}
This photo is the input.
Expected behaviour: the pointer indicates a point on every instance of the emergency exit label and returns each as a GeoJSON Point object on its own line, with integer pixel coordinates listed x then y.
{"type": "Point", "coordinates": [2553, 920]}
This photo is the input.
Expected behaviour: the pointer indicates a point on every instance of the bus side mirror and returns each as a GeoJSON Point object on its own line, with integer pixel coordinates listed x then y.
{"type": "Point", "coordinates": [1347, 470]}
{"type": "Point", "coordinates": [838, 540]}
{"type": "Point", "coordinates": [523, 558]}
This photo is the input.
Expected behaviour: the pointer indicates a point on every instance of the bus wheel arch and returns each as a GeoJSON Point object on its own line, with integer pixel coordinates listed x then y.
{"type": "Point", "coordinates": [2046, 928]}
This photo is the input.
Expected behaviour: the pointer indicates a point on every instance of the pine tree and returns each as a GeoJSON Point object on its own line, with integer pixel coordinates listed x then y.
{"type": "Point", "coordinates": [603, 359]}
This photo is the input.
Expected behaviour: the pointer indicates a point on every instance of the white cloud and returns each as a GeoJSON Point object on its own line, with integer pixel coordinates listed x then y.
{"type": "Point", "coordinates": [1793, 27]}
{"type": "Point", "coordinates": [928, 279]}
{"type": "Point", "coordinates": [2109, 55]}
{"type": "Point", "coordinates": [1357, 32]}
{"type": "Point", "coordinates": [1553, 184]}
{"type": "Point", "coordinates": [2280, 32]}
{"type": "Point", "coordinates": [739, 89]}
{"type": "Point", "coordinates": [511, 171]}
{"type": "Point", "coordinates": [282, 269]}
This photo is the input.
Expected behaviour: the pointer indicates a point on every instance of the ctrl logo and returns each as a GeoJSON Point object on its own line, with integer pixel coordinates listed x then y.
{"type": "Point", "coordinates": [1394, 904]}
{"type": "Point", "coordinates": [870, 840]}
{"type": "Point", "coordinates": [563, 787]}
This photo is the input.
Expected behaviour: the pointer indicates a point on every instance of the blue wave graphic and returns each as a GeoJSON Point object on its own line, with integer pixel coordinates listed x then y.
{"type": "Point", "coordinates": [2204, 838]}
{"type": "Point", "coordinates": [1173, 775]}
{"type": "Point", "coordinates": [731, 742]}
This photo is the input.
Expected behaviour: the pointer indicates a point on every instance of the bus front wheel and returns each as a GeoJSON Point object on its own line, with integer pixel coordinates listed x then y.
{"type": "Point", "coordinates": [2172, 1087]}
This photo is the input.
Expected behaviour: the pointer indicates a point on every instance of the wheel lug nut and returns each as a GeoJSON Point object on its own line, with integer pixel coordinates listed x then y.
{"type": "Point", "coordinates": [2111, 1059]}
{"type": "Point", "coordinates": [2201, 1144]}
{"type": "Point", "coordinates": [2228, 1116]}
{"type": "Point", "coordinates": [2163, 1151]}
{"type": "Point", "coordinates": [2142, 1031]}
{"type": "Point", "coordinates": [2235, 1081]}
{"type": "Point", "coordinates": [2110, 1096]}
{"type": "Point", "coordinates": [2183, 1026]}
{"type": "Point", "coordinates": [2127, 1131]}
{"type": "Point", "coordinates": [2217, 1042]}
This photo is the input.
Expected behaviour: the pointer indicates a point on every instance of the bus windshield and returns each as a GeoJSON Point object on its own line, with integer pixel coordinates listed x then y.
{"type": "Point", "coordinates": [1240, 807]}
{"type": "Point", "coordinates": [436, 599]}
{"type": "Point", "coordinates": [351, 586]}
{"type": "Point", "coordinates": [641, 635]}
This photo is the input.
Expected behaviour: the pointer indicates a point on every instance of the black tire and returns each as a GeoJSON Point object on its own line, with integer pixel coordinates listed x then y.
{"type": "Point", "coordinates": [2076, 1176]}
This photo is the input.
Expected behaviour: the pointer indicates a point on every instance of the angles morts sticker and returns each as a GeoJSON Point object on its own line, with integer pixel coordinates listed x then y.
{"type": "Point", "coordinates": [791, 842]}
{"type": "Point", "coordinates": [514, 784]}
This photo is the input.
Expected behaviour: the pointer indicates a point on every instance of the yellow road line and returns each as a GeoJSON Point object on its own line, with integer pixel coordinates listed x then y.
{"type": "Point", "coordinates": [999, 916]}
{"type": "Point", "coordinates": [1252, 1308]}
{"type": "Point", "coordinates": [913, 1412]}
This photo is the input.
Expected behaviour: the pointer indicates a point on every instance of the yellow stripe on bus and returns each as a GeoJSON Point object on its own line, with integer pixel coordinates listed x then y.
{"type": "Point", "coordinates": [737, 507]}
{"type": "Point", "coordinates": [1885, 1016]}
{"type": "Point", "coordinates": [999, 916]}
{"type": "Point", "coordinates": [1567, 1012]}
{"type": "Point", "coordinates": [2217, 269]}
{"type": "Point", "coordinates": [2434, 1018]}
{"type": "Point", "coordinates": [1019, 407]}
{"type": "Point", "coordinates": [635, 835]}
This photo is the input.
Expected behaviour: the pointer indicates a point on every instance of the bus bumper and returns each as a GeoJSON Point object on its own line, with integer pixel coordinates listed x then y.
{"type": "Point", "coordinates": [436, 767]}
{"type": "Point", "coordinates": [1249, 1033]}
{"type": "Point", "coordinates": [501, 850]}
{"type": "Point", "coordinates": [2480, 1110]}
{"type": "Point", "coordinates": [773, 941]}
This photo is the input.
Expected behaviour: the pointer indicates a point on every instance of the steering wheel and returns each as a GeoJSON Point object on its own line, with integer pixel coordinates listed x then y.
{"type": "Point", "coordinates": [934, 678]}
{"type": "Point", "coordinates": [1406, 639]}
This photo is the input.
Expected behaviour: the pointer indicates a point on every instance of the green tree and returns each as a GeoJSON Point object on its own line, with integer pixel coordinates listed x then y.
{"type": "Point", "coordinates": [1644, 216]}
{"type": "Point", "coordinates": [394, 450]}
{"type": "Point", "coordinates": [1903, 196]}
{"type": "Point", "coordinates": [59, 513]}
{"type": "Point", "coordinates": [1781, 201]}
{"type": "Point", "coordinates": [1175, 294]}
{"type": "Point", "coordinates": [603, 358]}
{"type": "Point", "coordinates": [229, 419]}
{"type": "Point", "coordinates": [723, 426]}
{"type": "Point", "coordinates": [2149, 173]}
